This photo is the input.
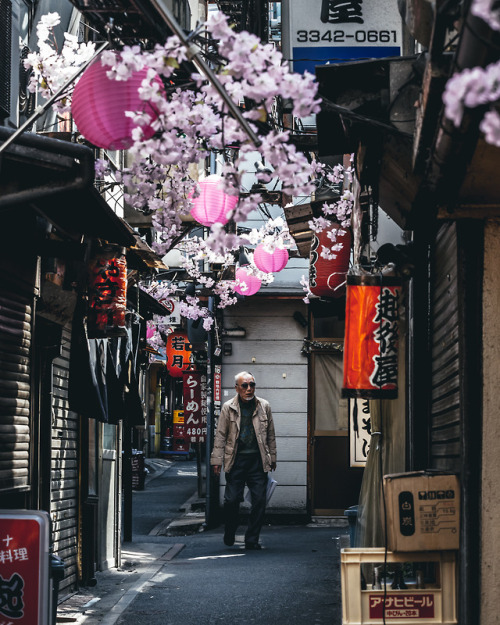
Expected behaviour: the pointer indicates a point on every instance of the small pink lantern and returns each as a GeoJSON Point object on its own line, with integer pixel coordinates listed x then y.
{"type": "Point", "coordinates": [99, 104]}
{"type": "Point", "coordinates": [212, 205]}
{"type": "Point", "coordinates": [270, 261]}
{"type": "Point", "coordinates": [150, 332]}
{"type": "Point", "coordinates": [248, 284]}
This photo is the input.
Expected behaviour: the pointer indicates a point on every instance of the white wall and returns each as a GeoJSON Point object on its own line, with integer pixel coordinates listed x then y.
{"type": "Point", "coordinates": [271, 351]}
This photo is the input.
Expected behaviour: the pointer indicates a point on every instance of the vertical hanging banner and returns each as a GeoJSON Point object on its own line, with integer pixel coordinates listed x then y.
{"type": "Point", "coordinates": [178, 352]}
{"type": "Point", "coordinates": [24, 567]}
{"type": "Point", "coordinates": [107, 292]}
{"type": "Point", "coordinates": [217, 386]}
{"type": "Point", "coordinates": [371, 337]}
{"type": "Point", "coordinates": [195, 406]}
{"type": "Point", "coordinates": [360, 430]}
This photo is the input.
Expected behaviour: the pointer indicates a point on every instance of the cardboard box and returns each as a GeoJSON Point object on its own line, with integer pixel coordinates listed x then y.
{"type": "Point", "coordinates": [423, 511]}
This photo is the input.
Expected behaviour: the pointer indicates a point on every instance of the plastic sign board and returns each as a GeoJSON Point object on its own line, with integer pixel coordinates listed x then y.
{"type": "Point", "coordinates": [360, 429]}
{"type": "Point", "coordinates": [24, 567]}
{"type": "Point", "coordinates": [174, 316]}
{"type": "Point", "coordinates": [195, 406]}
{"type": "Point", "coordinates": [332, 31]}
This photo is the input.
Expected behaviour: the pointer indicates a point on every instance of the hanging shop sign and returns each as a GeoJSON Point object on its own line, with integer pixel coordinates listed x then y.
{"type": "Point", "coordinates": [327, 276]}
{"type": "Point", "coordinates": [107, 292]}
{"type": "Point", "coordinates": [360, 429]}
{"type": "Point", "coordinates": [371, 337]}
{"type": "Point", "coordinates": [174, 316]}
{"type": "Point", "coordinates": [24, 570]}
{"type": "Point", "coordinates": [217, 386]}
{"type": "Point", "coordinates": [195, 406]}
{"type": "Point", "coordinates": [332, 31]}
{"type": "Point", "coordinates": [178, 353]}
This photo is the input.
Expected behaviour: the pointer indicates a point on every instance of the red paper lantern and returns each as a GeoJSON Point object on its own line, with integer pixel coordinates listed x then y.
{"type": "Point", "coordinates": [212, 204]}
{"type": "Point", "coordinates": [99, 105]}
{"type": "Point", "coordinates": [371, 337]}
{"type": "Point", "coordinates": [178, 354]}
{"type": "Point", "coordinates": [270, 261]}
{"type": "Point", "coordinates": [248, 284]}
{"type": "Point", "coordinates": [107, 292]}
{"type": "Point", "coordinates": [327, 277]}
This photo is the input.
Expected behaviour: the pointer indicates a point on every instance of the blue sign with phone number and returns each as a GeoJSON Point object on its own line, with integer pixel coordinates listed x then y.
{"type": "Point", "coordinates": [305, 59]}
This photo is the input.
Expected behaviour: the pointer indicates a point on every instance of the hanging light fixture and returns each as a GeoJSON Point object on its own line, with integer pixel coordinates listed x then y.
{"type": "Point", "coordinates": [371, 337]}
{"type": "Point", "coordinates": [327, 276]}
{"type": "Point", "coordinates": [270, 262]}
{"type": "Point", "coordinates": [247, 283]}
{"type": "Point", "coordinates": [99, 105]}
{"type": "Point", "coordinates": [107, 292]}
{"type": "Point", "coordinates": [212, 205]}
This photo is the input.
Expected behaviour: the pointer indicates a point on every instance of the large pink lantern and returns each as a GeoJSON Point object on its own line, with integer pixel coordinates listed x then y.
{"type": "Point", "coordinates": [270, 261]}
{"type": "Point", "coordinates": [248, 284]}
{"type": "Point", "coordinates": [212, 205]}
{"type": "Point", "coordinates": [99, 104]}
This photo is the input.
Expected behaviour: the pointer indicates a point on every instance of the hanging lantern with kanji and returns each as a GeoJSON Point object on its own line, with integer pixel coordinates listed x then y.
{"type": "Point", "coordinates": [327, 276]}
{"type": "Point", "coordinates": [213, 204]}
{"type": "Point", "coordinates": [371, 337]}
{"type": "Point", "coordinates": [107, 292]}
{"type": "Point", "coordinates": [99, 106]}
{"type": "Point", "coordinates": [270, 262]}
{"type": "Point", "coordinates": [178, 352]}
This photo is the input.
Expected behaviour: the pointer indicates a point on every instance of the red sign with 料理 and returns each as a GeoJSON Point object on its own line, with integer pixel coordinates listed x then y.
{"type": "Point", "coordinates": [24, 568]}
{"type": "Point", "coordinates": [402, 605]}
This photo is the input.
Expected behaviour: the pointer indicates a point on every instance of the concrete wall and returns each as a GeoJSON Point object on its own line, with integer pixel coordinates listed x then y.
{"type": "Point", "coordinates": [271, 352]}
{"type": "Point", "coordinates": [490, 509]}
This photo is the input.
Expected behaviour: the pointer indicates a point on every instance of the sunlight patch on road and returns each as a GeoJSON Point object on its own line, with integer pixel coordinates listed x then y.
{"type": "Point", "coordinates": [231, 555]}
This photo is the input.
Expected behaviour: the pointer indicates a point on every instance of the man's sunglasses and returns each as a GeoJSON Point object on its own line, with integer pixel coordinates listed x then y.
{"type": "Point", "coordinates": [247, 384]}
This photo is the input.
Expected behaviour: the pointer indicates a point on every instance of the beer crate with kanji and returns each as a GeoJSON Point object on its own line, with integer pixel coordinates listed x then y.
{"type": "Point", "coordinates": [398, 588]}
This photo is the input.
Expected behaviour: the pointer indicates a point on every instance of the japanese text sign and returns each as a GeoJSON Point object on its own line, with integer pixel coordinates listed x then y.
{"type": "Point", "coordinates": [404, 605]}
{"type": "Point", "coordinates": [24, 567]}
{"type": "Point", "coordinates": [107, 293]}
{"type": "Point", "coordinates": [360, 429]}
{"type": "Point", "coordinates": [217, 385]}
{"type": "Point", "coordinates": [178, 354]}
{"type": "Point", "coordinates": [195, 406]}
{"type": "Point", "coordinates": [371, 337]}
{"type": "Point", "coordinates": [321, 31]}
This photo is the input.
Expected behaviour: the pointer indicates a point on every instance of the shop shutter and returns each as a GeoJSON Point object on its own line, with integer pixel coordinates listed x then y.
{"type": "Point", "coordinates": [445, 435]}
{"type": "Point", "coordinates": [64, 482]}
{"type": "Point", "coordinates": [5, 56]}
{"type": "Point", "coordinates": [15, 386]}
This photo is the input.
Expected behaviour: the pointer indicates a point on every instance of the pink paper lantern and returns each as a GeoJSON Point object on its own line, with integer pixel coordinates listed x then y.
{"type": "Point", "coordinates": [270, 261]}
{"type": "Point", "coordinates": [212, 205]}
{"type": "Point", "coordinates": [150, 333]}
{"type": "Point", "coordinates": [99, 105]}
{"type": "Point", "coordinates": [248, 284]}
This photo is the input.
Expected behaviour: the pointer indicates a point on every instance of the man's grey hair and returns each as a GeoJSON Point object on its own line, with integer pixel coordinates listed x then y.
{"type": "Point", "coordinates": [240, 375]}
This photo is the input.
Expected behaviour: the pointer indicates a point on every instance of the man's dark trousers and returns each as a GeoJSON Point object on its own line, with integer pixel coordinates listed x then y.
{"type": "Point", "coordinates": [247, 469]}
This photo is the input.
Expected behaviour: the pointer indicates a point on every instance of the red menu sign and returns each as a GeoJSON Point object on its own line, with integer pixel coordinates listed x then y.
{"type": "Point", "coordinates": [405, 605]}
{"type": "Point", "coordinates": [217, 384]}
{"type": "Point", "coordinates": [24, 567]}
{"type": "Point", "coordinates": [195, 406]}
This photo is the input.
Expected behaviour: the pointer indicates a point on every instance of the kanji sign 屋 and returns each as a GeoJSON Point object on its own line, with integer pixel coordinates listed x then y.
{"type": "Point", "coordinates": [24, 567]}
{"type": "Point", "coordinates": [371, 337]}
{"type": "Point", "coordinates": [195, 406]}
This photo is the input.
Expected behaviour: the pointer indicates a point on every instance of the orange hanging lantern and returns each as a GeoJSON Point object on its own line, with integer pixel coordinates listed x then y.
{"type": "Point", "coordinates": [371, 337]}
{"type": "Point", "coordinates": [178, 354]}
{"type": "Point", "coordinates": [327, 276]}
{"type": "Point", "coordinates": [107, 292]}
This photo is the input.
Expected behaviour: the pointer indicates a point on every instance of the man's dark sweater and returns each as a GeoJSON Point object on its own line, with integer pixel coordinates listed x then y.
{"type": "Point", "coordinates": [247, 443]}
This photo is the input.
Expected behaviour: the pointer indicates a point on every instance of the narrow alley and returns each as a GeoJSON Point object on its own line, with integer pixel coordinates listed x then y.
{"type": "Point", "coordinates": [195, 579]}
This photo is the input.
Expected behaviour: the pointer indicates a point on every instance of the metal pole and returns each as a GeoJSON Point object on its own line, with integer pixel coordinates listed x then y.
{"type": "Point", "coordinates": [206, 70]}
{"type": "Point", "coordinates": [40, 110]}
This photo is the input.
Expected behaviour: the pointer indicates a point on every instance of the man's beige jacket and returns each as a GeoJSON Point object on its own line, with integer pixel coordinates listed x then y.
{"type": "Point", "coordinates": [228, 432]}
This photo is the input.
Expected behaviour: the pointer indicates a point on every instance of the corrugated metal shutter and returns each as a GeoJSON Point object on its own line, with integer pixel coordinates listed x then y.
{"type": "Point", "coordinates": [64, 482]}
{"type": "Point", "coordinates": [5, 56]}
{"type": "Point", "coordinates": [15, 386]}
{"type": "Point", "coordinates": [445, 405]}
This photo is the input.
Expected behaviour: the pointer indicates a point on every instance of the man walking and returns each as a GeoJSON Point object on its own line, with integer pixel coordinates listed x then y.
{"type": "Point", "coordinates": [245, 444]}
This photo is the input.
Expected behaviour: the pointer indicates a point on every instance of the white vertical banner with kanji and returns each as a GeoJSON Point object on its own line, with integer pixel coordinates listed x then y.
{"type": "Point", "coordinates": [195, 406]}
{"type": "Point", "coordinates": [359, 431]}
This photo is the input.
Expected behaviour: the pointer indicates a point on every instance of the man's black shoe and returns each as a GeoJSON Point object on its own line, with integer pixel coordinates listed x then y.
{"type": "Point", "coordinates": [253, 546]}
{"type": "Point", "coordinates": [229, 537]}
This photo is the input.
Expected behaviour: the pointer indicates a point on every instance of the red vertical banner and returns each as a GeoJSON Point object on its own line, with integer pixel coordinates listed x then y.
{"type": "Point", "coordinates": [195, 406]}
{"type": "Point", "coordinates": [24, 567]}
{"type": "Point", "coordinates": [371, 337]}
{"type": "Point", "coordinates": [217, 385]}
